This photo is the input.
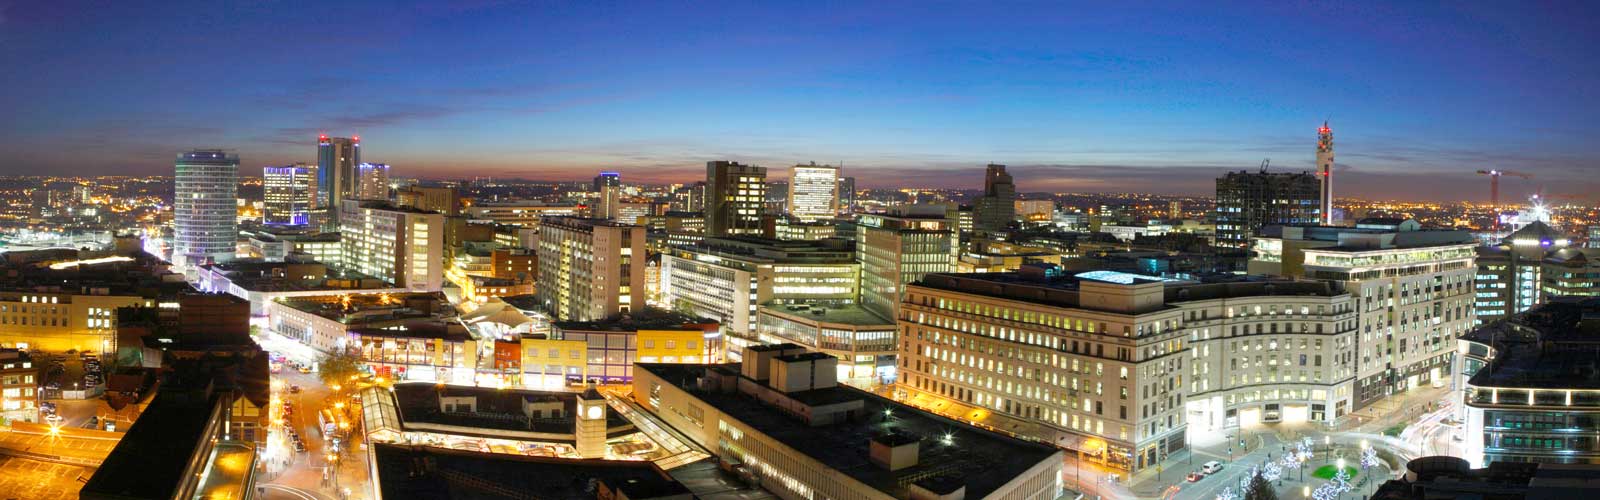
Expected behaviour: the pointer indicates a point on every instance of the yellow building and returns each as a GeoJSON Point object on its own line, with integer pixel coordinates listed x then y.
{"type": "Point", "coordinates": [548, 363]}
{"type": "Point", "coordinates": [62, 321]}
{"type": "Point", "coordinates": [672, 346]}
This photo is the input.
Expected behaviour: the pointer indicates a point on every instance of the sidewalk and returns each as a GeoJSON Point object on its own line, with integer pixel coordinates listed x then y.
{"type": "Point", "coordinates": [1392, 410]}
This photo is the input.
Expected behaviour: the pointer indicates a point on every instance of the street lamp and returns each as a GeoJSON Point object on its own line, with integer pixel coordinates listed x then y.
{"type": "Point", "coordinates": [1305, 492]}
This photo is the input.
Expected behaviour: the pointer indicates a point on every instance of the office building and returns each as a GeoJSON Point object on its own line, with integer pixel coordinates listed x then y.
{"type": "Point", "coordinates": [689, 198]}
{"type": "Point", "coordinates": [1175, 210]}
{"type": "Point", "coordinates": [1035, 212]}
{"type": "Point", "coordinates": [1530, 266]}
{"type": "Point", "coordinates": [646, 335]}
{"type": "Point", "coordinates": [1436, 477]}
{"type": "Point", "coordinates": [1532, 393]}
{"type": "Point", "coordinates": [19, 387]}
{"type": "Point", "coordinates": [337, 158]}
{"type": "Point", "coordinates": [813, 192]}
{"type": "Point", "coordinates": [864, 342]}
{"type": "Point", "coordinates": [783, 411]}
{"type": "Point", "coordinates": [289, 194]}
{"type": "Point", "coordinates": [590, 269]}
{"type": "Point", "coordinates": [899, 248]}
{"type": "Point", "coordinates": [735, 198]}
{"type": "Point", "coordinates": [847, 195]}
{"type": "Point", "coordinates": [608, 190]}
{"type": "Point", "coordinates": [995, 209]}
{"type": "Point", "coordinates": [727, 279]}
{"type": "Point", "coordinates": [524, 214]}
{"type": "Point", "coordinates": [1117, 366]}
{"type": "Point", "coordinates": [205, 208]}
{"type": "Point", "coordinates": [1249, 201]}
{"type": "Point", "coordinates": [372, 182]}
{"type": "Point", "coordinates": [443, 199]}
{"type": "Point", "coordinates": [1414, 288]}
{"type": "Point", "coordinates": [404, 246]}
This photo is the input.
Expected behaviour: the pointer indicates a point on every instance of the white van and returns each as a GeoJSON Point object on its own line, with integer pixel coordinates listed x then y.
{"type": "Point", "coordinates": [1211, 467]}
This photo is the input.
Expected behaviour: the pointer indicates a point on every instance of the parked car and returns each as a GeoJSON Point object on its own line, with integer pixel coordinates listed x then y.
{"type": "Point", "coordinates": [1211, 467]}
{"type": "Point", "coordinates": [1195, 476]}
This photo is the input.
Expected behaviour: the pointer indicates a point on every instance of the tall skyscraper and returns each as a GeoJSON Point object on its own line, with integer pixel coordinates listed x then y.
{"type": "Point", "coordinates": [205, 207]}
{"type": "Point", "coordinates": [289, 194]}
{"type": "Point", "coordinates": [609, 186]}
{"type": "Point", "coordinates": [587, 268]}
{"type": "Point", "coordinates": [1248, 201]}
{"type": "Point", "coordinates": [847, 194]}
{"type": "Point", "coordinates": [337, 158]}
{"type": "Point", "coordinates": [996, 208]}
{"type": "Point", "coordinates": [813, 192]}
{"type": "Point", "coordinates": [372, 182]}
{"type": "Point", "coordinates": [1175, 210]}
{"type": "Point", "coordinates": [735, 198]}
{"type": "Point", "coordinates": [1325, 171]}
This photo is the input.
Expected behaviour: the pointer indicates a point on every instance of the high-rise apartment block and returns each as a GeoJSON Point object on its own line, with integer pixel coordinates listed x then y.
{"type": "Point", "coordinates": [813, 192]}
{"type": "Point", "coordinates": [1413, 289]}
{"type": "Point", "coordinates": [590, 269]}
{"type": "Point", "coordinates": [608, 185]}
{"type": "Point", "coordinates": [996, 208]}
{"type": "Point", "coordinates": [372, 182]}
{"type": "Point", "coordinates": [1249, 201]}
{"type": "Point", "coordinates": [289, 194]}
{"type": "Point", "coordinates": [1115, 365]}
{"type": "Point", "coordinates": [404, 246]}
{"type": "Point", "coordinates": [899, 248]}
{"type": "Point", "coordinates": [735, 198]}
{"type": "Point", "coordinates": [337, 158]}
{"type": "Point", "coordinates": [205, 207]}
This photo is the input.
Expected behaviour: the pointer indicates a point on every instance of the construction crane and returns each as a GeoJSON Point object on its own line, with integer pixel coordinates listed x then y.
{"type": "Point", "coordinates": [1494, 183]}
{"type": "Point", "coordinates": [1264, 163]}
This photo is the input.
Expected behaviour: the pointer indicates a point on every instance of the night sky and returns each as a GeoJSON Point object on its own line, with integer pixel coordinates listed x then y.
{"type": "Point", "coordinates": [1159, 98]}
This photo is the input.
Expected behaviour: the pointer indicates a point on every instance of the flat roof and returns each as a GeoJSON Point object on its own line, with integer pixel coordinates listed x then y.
{"type": "Point", "coordinates": [497, 409]}
{"type": "Point", "coordinates": [987, 459]}
{"type": "Point", "coordinates": [1555, 345]}
{"type": "Point", "coordinates": [426, 472]}
{"type": "Point", "coordinates": [153, 456]}
{"type": "Point", "coordinates": [852, 314]}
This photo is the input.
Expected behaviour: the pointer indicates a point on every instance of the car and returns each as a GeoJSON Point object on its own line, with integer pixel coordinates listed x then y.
{"type": "Point", "coordinates": [294, 389]}
{"type": "Point", "coordinates": [53, 419]}
{"type": "Point", "coordinates": [299, 446]}
{"type": "Point", "coordinates": [1211, 467]}
{"type": "Point", "coordinates": [304, 369]}
{"type": "Point", "coordinates": [1195, 476]}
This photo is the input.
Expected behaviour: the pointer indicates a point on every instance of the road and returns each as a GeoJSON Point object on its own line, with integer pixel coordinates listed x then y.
{"type": "Point", "coordinates": [300, 475]}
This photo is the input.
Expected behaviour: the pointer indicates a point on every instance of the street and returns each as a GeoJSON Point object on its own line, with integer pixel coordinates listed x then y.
{"type": "Point", "coordinates": [304, 475]}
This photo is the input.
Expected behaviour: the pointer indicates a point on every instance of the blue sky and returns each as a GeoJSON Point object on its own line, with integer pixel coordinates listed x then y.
{"type": "Point", "coordinates": [1075, 96]}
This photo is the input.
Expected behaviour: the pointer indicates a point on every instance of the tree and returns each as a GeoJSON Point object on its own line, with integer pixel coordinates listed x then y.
{"type": "Point", "coordinates": [336, 368]}
{"type": "Point", "coordinates": [1260, 489]}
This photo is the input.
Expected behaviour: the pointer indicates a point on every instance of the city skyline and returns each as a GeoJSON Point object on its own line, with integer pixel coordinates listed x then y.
{"type": "Point", "coordinates": [1070, 100]}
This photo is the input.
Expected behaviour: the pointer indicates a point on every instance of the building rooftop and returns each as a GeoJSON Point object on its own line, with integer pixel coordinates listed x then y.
{"type": "Point", "coordinates": [497, 409]}
{"type": "Point", "coordinates": [424, 472]}
{"type": "Point", "coordinates": [648, 318]}
{"type": "Point", "coordinates": [1440, 477]}
{"type": "Point", "coordinates": [1041, 285]}
{"type": "Point", "coordinates": [1555, 345]}
{"type": "Point", "coordinates": [370, 307]}
{"type": "Point", "coordinates": [153, 456]}
{"type": "Point", "coordinates": [984, 459]}
{"type": "Point", "coordinates": [847, 314]}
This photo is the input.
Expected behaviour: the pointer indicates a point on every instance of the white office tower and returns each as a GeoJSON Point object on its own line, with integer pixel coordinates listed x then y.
{"type": "Point", "coordinates": [813, 192]}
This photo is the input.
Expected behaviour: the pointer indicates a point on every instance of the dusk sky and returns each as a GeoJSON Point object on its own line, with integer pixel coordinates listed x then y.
{"type": "Point", "coordinates": [1075, 97]}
